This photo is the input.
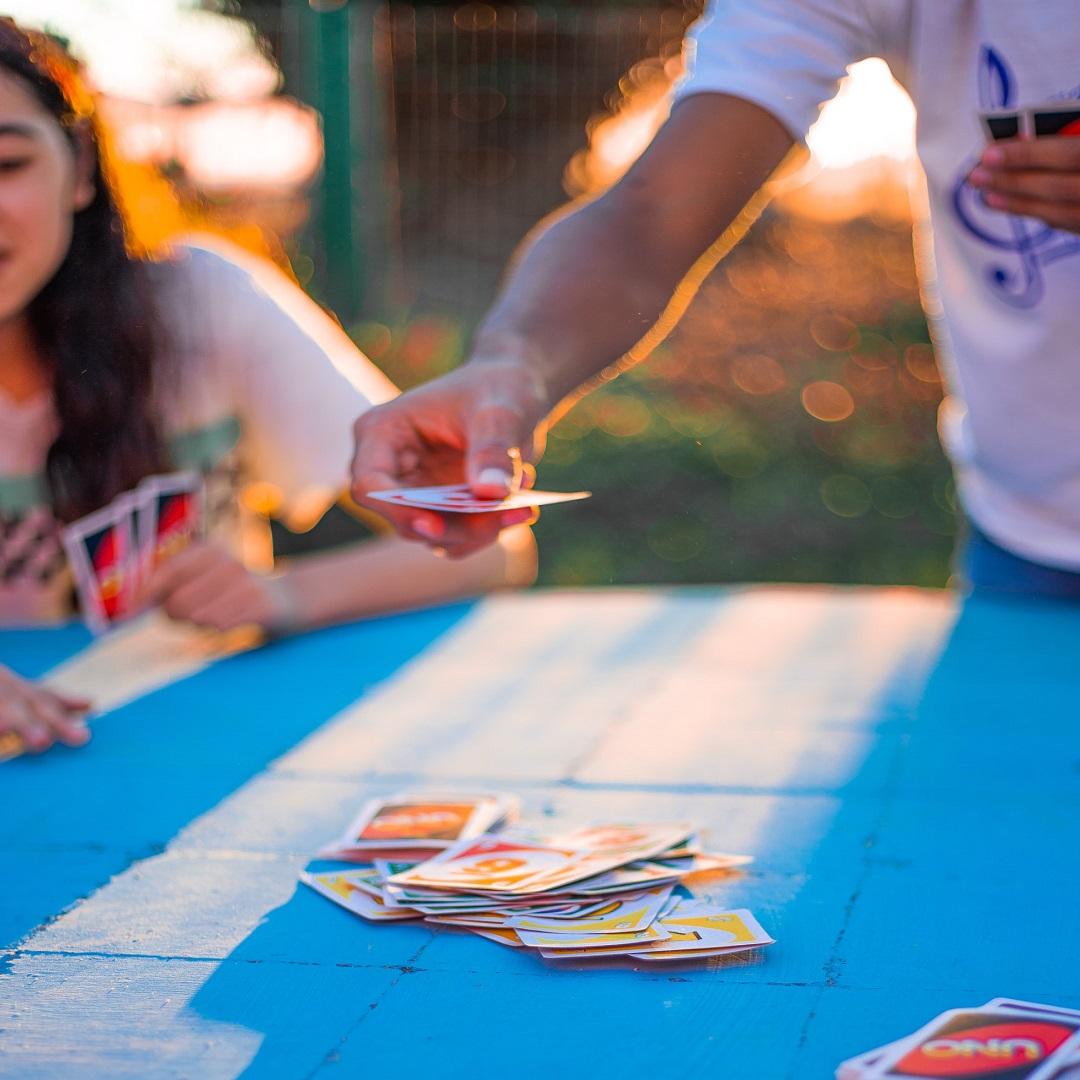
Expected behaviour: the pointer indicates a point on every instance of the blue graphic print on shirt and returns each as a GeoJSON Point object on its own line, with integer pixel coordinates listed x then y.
{"type": "Point", "coordinates": [1023, 247]}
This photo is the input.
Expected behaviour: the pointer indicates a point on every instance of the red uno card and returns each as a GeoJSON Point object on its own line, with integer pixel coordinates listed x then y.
{"type": "Point", "coordinates": [993, 1043]}
{"type": "Point", "coordinates": [170, 516]}
{"type": "Point", "coordinates": [488, 863]}
{"type": "Point", "coordinates": [405, 820]}
{"type": "Point", "coordinates": [420, 821]}
{"type": "Point", "coordinates": [1056, 118]}
{"type": "Point", "coordinates": [101, 550]}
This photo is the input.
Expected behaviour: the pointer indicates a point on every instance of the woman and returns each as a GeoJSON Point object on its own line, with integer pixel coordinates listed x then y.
{"type": "Point", "coordinates": [114, 367]}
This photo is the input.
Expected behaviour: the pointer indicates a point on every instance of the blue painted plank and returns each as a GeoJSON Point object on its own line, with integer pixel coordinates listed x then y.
{"type": "Point", "coordinates": [610, 1023]}
{"type": "Point", "coordinates": [157, 763]}
{"type": "Point", "coordinates": [40, 884]}
{"type": "Point", "coordinates": [178, 1036]}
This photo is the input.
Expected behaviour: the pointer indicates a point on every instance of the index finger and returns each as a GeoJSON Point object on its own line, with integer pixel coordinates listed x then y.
{"type": "Point", "coordinates": [1057, 152]}
{"type": "Point", "coordinates": [379, 439]}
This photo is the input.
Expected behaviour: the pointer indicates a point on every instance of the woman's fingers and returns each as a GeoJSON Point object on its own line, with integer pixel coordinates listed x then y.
{"type": "Point", "coordinates": [38, 716]}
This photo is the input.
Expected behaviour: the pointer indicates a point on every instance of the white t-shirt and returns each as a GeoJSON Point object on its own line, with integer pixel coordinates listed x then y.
{"type": "Point", "coordinates": [259, 386]}
{"type": "Point", "coordinates": [1003, 291]}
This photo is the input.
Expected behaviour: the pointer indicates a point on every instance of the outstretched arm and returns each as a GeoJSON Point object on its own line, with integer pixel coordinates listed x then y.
{"type": "Point", "coordinates": [596, 280]}
{"type": "Point", "coordinates": [588, 289]}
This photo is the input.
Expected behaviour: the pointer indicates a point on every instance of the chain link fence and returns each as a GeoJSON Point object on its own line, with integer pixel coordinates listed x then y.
{"type": "Point", "coordinates": [464, 121]}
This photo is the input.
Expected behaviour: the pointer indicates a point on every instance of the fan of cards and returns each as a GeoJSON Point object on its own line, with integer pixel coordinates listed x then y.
{"type": "Point", "coordinates": [1018, 1039]}
{"type": "Point", "coordinates": [459, 499]}
{"type": "Point", "coordinates": [113, 550]}
{"type": "Point", "coordinates": [1053, 118]}
{"type": "Point", "coordinates": [581, 893]}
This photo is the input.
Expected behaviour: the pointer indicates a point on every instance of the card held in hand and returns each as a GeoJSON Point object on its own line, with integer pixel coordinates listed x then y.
{"type": "Point", "coordinates": [459, 499]}
{"type": "Point", "coordinates": [101, 550]}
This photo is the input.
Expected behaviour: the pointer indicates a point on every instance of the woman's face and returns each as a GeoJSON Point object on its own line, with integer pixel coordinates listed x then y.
{"type": "Point", "coordinates": [43, 182]}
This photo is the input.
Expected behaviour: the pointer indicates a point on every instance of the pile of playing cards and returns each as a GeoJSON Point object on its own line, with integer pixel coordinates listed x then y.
{"type": "Point", "coordinates": [1039, 121]}
{"type": "Point", "coordinates": [582, 893]}
{"type": "Point", "coordinates": [1021, 1040]}
{"type": "Point", "coordinates": [459, 499]}
{"type": "Point", "coordinates": [113, 550]}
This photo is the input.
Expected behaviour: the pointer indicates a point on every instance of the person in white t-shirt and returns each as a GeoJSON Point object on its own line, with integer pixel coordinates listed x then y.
{"type": "Point", "coordinates": [1001, 264]}
{"type": "Point", "coordinates": [114, 368]}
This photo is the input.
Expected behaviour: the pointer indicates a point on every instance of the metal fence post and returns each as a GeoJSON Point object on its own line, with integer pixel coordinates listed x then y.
{"type": "Point", "coordinates": [342, 260]}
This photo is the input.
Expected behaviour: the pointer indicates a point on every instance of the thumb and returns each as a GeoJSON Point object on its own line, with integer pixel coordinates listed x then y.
{"type": "Point", "coordinates": [495, 434]}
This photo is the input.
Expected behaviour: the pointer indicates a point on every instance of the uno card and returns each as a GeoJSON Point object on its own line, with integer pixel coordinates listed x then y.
{"type": "Point", "coordinates": [591, 947]}
{"type": "Point", "coordinates": [489, 863]}
{"type": "Point", "coordinates": [622, 916]}
{"type": "Point", "coordinates": [419, 821]}
{"type": "Point", "coordinates": [695, 927]}
{"type": "Point", "coordinates": [459, 499]}
{"type": "Point", "coordinates": [101, 550]}
{"type": "Point", "coordinates": [347, 891]}
{"type": "Point", "coordinates": [388, 867]}
{"type": "Point", "coordinates": [659, 956]}
{"type": "Point", "coordinates": [170, 516]}
{"type": "Point", "coordinates": [628, 878]}
{"type": "Point", "coordinates": [429, 907]}
{"type": "Point", "coordinates": [693, 864]}
{"type": "Point", "coordinates": [502, 936]}
{"type": "Point", "coordinates": [1057, 118]}
{"type": "Point", "coordinates": [487, 920]}
{"type": "Point", "coordinates": [1030, 1006]}
{"type": "Point", "coordinates": [854, 1068]}
{"type": "Point", "coordinates": [633, 841]}
{"type": "Point", "coordinates": [11, 746]}
{"type": "Point", "coordinates": [1003, 124]}
{"type": "Point", "coordinates": [366, 880]}
{"type": "Point", "coordinates": [1004, 1044]}
{"type": "Point", "coordinates": [603, 848]}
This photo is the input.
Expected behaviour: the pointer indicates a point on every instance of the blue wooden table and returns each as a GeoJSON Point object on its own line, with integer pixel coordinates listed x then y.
{"type": "Point", "coordinates": [905, 768]}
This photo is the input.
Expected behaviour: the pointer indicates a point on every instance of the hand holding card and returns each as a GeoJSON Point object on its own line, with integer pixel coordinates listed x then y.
{"type": "Point", "coordinates": [101, 550]}
{"type": "Point", "coordinates": [113, 550]}
{"type": "Point", "coordinates": [1032, 168]}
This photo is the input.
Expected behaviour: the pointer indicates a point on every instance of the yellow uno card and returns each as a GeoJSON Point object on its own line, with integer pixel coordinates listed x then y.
{"type": "Point", "coordinates": [347, 893]}
{"type": "Point", "coordinates": [693, 926]}
{"type": "Point", "coordinates": [627, 914]}
{"type": "Point", "coordinates": [591, 942]}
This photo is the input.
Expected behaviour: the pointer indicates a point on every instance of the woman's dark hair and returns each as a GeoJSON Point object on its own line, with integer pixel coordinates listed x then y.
{"type": "Point", "coordinates": [94, 323]}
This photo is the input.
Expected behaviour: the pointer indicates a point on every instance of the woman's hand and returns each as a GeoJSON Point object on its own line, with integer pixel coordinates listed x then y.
{"type": "Point", "coordinates": [40, 717]}
{"type": "Point", "coordinates": [207, 586]}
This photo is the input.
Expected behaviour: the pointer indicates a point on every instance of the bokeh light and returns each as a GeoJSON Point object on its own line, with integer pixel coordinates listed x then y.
{"type": "Point", "coordinates": [827, 401]}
